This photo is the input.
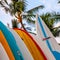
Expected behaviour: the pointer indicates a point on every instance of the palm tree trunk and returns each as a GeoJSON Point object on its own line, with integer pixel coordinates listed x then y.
{"type": "Point", "coordinates": [23, 26]}
{"type": "Point", "coordinates": [20, 21]}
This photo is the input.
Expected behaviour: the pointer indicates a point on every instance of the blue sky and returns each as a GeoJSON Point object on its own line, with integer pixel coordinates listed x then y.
{"type": "Point", "coordinates": [50, 5]}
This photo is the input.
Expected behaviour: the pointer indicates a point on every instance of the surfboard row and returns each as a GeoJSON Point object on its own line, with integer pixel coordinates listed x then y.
{"type": "Point", "coordinates": [17, 44]}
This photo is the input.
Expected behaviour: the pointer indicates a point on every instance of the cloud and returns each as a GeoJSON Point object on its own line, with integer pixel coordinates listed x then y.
{"type": "Point", "coordinates": [57, 24]}
{"type": "Point", "coordinates": [5, 18]}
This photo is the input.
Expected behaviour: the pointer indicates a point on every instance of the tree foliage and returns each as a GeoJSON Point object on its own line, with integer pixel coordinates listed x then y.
{"type": "Point", "coordinates": [49, 20]}
{"type": "Point", "coordinates": [14, 23]}
{"type": "Point", "coordinates": [16, 7]}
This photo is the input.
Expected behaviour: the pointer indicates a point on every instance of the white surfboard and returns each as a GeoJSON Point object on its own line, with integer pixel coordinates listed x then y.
{"type": "Point", "coordinates": [43, 46]}
{"type": "Point", "coordinates": [25, 52]}
{"type": "Point", "coordinates": [52, 40]}
{"type": "Point", "coordinates": [3, 54]}
{"type": "Point", "coordinates": [45, 34]}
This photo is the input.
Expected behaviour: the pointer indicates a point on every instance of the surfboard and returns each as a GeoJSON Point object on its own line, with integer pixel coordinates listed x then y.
{"type": "Point", "coordinates": [43, 46]}
{"type": "Point", "coordinates": [37, 55]}
{"type": "Point", "coordinates": [52, 41]}
{"type": "Point", "coordinates": [6, 46]}
{"type": "Point", "coordinates": [11, 41]}
{"type": "Point", "coordinates": [44, 32]}
{"type": "Point", "coordinates": [25, 52]}
{"type": "Point", "coordinates": [3, 54]}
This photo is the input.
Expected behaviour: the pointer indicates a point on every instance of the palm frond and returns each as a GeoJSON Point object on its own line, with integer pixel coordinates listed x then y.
{"type": "Point", "coordinates": [6, 2]}
{"type": "Point", "coordinates": [30, 21]}
{"type": "Point", "coordinates": [57, 16]}
{"type": "Point", "coordinates": [58, 1]}
{"type": "Point", "coordinates": [29, 15]}
{"type": "Point", "coordinates": [5, 8]}
{"type": "Point", "coordinates": [1, 4]}
{"type": "Point", "coordinates": [14, 6]}
{"type": "Point", "coordinates": [35, 9]}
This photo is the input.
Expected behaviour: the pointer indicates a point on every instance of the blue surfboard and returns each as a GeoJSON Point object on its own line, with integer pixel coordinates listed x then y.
{"type": "Point", "coordinates": [55, 53]}
{"type": "Point", "coordinates": [11, 41]}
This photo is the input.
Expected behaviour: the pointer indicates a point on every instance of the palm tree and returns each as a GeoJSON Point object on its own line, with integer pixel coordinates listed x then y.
{"type": "Point", "coordinates": [56, 16]}
{"type": "Point", "coordinates": [49, 22]}
{"type": "Point", "coordinates": [16, 7]}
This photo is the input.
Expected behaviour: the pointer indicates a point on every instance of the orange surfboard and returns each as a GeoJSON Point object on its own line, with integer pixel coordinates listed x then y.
{"type": "Point", "coordinates": [3, 54]}
{"type": "Point", "coordinates": [6, 46]}
{"type": "Point", "coordinates": [37, 55]}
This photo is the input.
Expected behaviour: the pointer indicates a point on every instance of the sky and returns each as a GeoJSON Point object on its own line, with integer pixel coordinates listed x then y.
{"type": "Point", "coordinates": [50, 6]}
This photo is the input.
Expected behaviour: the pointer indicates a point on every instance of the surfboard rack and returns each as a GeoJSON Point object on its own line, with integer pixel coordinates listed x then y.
{"type": "Point", "coordinates": [46, 38]}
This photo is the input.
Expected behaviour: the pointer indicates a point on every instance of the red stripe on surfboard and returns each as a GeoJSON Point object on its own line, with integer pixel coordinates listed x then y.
{"type": "Point", "coordinates": [46, 38]}
{"type": "Point", "coordinates": [34, 42]}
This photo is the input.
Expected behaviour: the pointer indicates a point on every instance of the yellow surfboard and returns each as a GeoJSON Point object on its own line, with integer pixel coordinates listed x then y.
{"type": "Point", "coordinates": [37, 55]}
{"type": "Point", "coordinates": [6, 46]}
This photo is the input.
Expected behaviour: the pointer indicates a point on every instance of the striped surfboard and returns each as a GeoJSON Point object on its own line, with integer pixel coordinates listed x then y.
{"type": "Point", "coordinates": [11, 41]}
{"type": "Point", "coordinates": [25, 52]}
{"type": "Point", "coordinates": [44, 33]}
